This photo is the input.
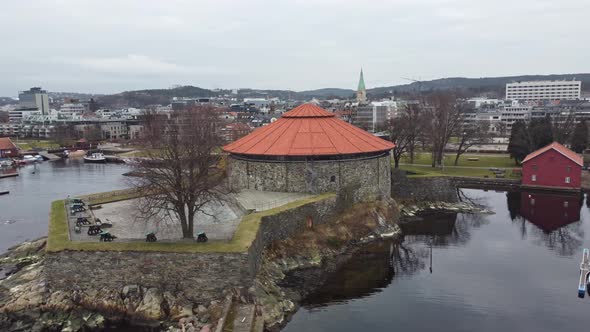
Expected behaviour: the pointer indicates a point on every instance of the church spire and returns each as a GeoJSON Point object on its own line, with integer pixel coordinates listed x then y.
{"type": "Point", "coordinates": [361, 93]}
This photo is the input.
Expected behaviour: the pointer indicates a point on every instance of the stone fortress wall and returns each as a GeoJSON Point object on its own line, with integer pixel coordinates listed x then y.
{"type": "Point", "coordinates": [370, 176]}
{"type": "Point", "coordinates": [198, 276]}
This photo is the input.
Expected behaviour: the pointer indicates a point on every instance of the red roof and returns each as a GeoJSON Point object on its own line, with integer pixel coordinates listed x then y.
{"type": "Point", "coordinates": [308, 130]}
{"type": "Point", "coordinates": [559, 148]}
{"type": "Point", "coordinates": [6, 144]}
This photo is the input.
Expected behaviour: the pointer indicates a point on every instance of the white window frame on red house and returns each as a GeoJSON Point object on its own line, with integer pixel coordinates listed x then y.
{"type": "Point", "coordinates": [534, 177]}
{"type": "Point", "coordinates": [568, 179]}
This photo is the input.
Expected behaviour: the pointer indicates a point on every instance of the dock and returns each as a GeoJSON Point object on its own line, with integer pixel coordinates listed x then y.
{"type": "Point", "coordinates": [584, 270]}
{"type": "Point", "coordinates": [49, 156]}
{"type": "Point", "coordinates": [8, 175]}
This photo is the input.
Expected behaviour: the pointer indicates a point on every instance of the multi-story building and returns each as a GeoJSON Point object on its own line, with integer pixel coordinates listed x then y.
{"type": "Point", "coordinates": [510, 114]}
{"type": "Point", "coordinates": [34, 98]}
{"type": "Point", "coordinates": [19, 114]}
{"type": "Point", "coordinates": [72, 108]}
{"type": "Point", "coordinates": [544, 90]}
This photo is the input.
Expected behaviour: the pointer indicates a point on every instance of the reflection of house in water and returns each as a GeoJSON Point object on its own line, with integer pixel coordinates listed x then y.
{"type": "Point", "coordinates": [550, 211]}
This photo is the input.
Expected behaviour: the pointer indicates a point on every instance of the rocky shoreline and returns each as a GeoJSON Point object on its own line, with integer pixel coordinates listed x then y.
{"type": "Point", "coordinates": [28, 304]}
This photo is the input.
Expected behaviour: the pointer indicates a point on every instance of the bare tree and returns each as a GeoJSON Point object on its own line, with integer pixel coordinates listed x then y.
{"type": "Point", "coordinates": [403, 131]}
{"type": "Point", "coordinates": [563, 125]}
{"type": "Point", "coordinates": [469, 135]}
{"type": "Point", "coordinates": [180, 174]}
{"type": "Point", "coordinates": [440, 118]}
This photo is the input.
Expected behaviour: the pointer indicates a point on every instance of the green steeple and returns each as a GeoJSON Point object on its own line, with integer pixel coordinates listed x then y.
{"type": "Point", "coordinates": [361, 82]}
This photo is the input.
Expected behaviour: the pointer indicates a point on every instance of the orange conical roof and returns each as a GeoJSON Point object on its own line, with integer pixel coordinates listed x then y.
{"type": "Point", "coordinates": [308, 130]}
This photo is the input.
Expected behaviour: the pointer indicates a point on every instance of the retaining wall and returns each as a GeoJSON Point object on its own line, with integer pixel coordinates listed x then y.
{"type": "Point", "coordinates": [425, 189]}
{"type": "Point", "coordinates": [201, 277]}
{"type": "Point", "coordinates": [284, 224]}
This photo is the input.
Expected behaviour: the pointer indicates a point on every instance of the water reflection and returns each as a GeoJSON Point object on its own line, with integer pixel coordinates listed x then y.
{"type": "Point", "coordinates": [491, 271]}
{"type": "Point", "coordinates": [556, 218]}
{"type": "Point", "coordinates": [367, 273]}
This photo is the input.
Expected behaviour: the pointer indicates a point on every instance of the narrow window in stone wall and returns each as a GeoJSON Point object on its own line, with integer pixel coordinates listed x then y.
{"type": "Point", "coordinates": [309, 222]}
{"type": "Point", "coordinates": [333, 178]}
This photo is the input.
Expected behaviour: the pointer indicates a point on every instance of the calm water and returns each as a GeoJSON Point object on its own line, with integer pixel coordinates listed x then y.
{"type": "Point", "coordinates": [515, 270]}
{"type": "Point", "coordinates": [25, 211]}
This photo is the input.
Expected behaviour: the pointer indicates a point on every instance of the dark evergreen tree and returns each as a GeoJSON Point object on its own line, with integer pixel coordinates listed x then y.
{"type": "Point", "coordinates": [580, 137]}
{"type": "Point", "coordinates": [519, 145]}
{"type": "Point", "coordinates": [540, 133]}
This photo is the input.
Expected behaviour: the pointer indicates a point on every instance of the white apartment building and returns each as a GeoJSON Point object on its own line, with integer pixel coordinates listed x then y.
{"type": "Point", "coordinates": [72, 108]}
{"type": "Point", "coordinates": [544, 90]}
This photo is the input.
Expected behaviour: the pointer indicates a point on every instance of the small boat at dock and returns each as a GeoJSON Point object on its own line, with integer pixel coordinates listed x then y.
{"type": "Point", "coordinates": [95, 157]}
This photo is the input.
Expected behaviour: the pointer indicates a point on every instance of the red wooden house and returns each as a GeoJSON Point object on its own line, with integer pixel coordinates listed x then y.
{"type": "Point", "coordinates": [553, 166]}
{"type": "Point", "coordinates": [7, 148]}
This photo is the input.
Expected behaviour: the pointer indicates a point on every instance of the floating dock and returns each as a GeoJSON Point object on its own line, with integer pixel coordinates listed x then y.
{"type": "Point", "coordinates": [584, 270]}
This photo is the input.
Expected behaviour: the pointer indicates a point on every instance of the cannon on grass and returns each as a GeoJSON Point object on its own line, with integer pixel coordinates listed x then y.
{"type": "Point", "coordinates": [94, 230]}
{"type": "Point", "coordinates": [106, 237]}
{"type": "Point", "coordinates": [151, 237]}
{"type": "Point", "coordinates": [202, 237]}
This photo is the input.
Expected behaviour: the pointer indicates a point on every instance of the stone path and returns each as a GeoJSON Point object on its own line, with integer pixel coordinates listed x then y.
{"type": "Point", "coordinates": [244, 318]}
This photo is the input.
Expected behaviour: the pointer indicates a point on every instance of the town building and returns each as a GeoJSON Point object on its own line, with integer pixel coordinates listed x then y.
{"type": "Point", "coordinates": [553, 166]}
{"type": "Point", "coordinates": [361, 92]}
{"type": "Point", "coordinates": [34, 98]}
{"type": "Point", "coordinates": [7, 148]}
{"type": "Point", "coordinates": [309, 150]}
{"type": "Point", "coordinates": [72, 108]}
{"type": "Point", "coordinates": [234, 131]}
{"type": "Point", "coordinates": [543, 90]}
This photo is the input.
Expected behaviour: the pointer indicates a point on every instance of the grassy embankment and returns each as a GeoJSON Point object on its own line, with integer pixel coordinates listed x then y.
{"type": "Point", "coordinates": [474, 168]}
{"type": "Point", "coordinates": [246, 233]}
{"type": "Point", "coordinates": [26, 145]}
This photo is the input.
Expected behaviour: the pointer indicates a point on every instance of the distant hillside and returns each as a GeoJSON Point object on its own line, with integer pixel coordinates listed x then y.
{"type": "Point", "coordinates": [327, 92]}
{"type": "Point", "coordinates": [7, 101]}
{"type": "Point", "coordinates": [493, 85]}
{"type": "Point", "coordinates": [142, 98]}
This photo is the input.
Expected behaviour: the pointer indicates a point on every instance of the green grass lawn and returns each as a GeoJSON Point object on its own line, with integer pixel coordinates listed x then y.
{"type": "Point", "coordinates": [58, 238]}
{"type": "Point", "coordinates": [36, 144]}
{"type": "Point", "coordinates": [421, 171]}
{"type": "Point", "coordinates": [484, 160]}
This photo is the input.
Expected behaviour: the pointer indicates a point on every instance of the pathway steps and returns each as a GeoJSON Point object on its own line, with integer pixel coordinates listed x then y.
{"type": "Point", "coordinates": [244, 318]}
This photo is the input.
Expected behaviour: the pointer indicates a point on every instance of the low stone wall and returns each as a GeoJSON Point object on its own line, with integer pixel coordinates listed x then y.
{"type": "Point", "coordinates": [426, 189]}
{"type": "Point", "coordinates": [284, 224]}
{"type": "Point", "coordinates": [200, 277]}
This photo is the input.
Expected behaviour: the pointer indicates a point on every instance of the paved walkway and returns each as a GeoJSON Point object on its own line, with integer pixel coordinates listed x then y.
{"type": "Point", "coordinates": [266, 200]}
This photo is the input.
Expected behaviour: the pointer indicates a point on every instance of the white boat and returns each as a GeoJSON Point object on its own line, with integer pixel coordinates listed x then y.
{"type": "Point", "coordinates": [96, 157]}
{"type": "Point", "coordinates": [39, 157]}
{"type": "Point", "coordinates": [27, 159]}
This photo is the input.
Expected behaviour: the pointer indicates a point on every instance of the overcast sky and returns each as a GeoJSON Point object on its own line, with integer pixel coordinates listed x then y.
{"type": "Point", "coordinates": [109, 46]}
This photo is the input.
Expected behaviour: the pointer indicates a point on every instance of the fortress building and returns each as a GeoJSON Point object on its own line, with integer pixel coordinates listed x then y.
{"type": "Point", "coordinates": [309, 150]}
